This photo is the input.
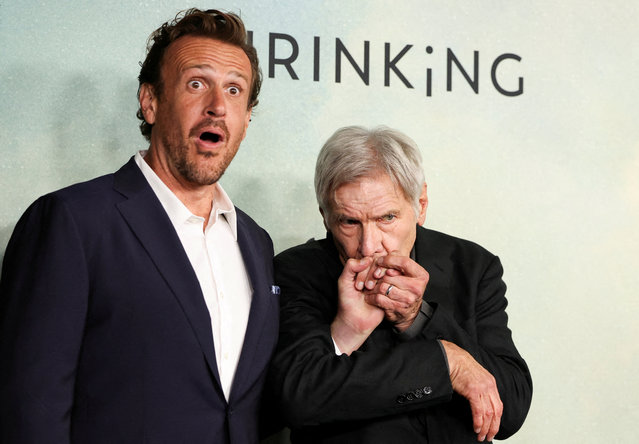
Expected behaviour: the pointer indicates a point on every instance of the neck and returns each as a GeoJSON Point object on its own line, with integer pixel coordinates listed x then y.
{"type": "Point", "coordinates": [196, 197]}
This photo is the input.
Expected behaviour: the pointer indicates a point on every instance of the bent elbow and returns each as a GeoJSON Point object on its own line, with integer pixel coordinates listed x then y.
{"type": "Point", "coordinates": [515, 413]}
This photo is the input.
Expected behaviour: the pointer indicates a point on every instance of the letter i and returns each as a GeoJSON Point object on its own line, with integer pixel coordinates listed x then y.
{"type": "Point", "coordinates": [429, 72]}
{"type": "Point", "coordinates": [316, 59]}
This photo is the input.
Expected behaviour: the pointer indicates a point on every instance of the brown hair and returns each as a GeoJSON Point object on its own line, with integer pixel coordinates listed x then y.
{"type": "Point", "coordinates": [224, 26]}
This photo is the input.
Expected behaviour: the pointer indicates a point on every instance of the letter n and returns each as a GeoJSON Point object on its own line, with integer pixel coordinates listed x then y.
{"type": "Point", "coordinates": [340, 49]}
{"type": "Point", "coordinates": [474, 82]}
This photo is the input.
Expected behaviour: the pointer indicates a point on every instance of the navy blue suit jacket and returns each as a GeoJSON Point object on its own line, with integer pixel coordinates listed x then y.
{"type": "Point", "coordinates": [104, 333]}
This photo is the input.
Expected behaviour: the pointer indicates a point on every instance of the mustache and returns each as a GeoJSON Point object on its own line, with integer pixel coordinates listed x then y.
{"type": "Point", "coordinates": [208, 124]}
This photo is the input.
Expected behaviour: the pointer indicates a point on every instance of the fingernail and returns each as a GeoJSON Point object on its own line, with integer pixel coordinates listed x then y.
{"type": "Point", "coordinates": [359, 285]}
{"type": "Point", "coordinates": [370, 284]}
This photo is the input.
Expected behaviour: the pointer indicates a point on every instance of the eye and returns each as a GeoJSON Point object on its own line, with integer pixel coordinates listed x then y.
{"type": "Point", "coordinates": [234, 90]}
{"type": "Point", "coordinates": [347, 221]}
{"type": "Point", "coordinates": [196, 84]}
{"type": "Point", "coordinates": [388, 217]}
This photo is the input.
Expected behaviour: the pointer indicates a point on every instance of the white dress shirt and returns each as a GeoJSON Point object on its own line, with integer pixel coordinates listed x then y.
{"type": "Point", "coordinates": [216, 258]}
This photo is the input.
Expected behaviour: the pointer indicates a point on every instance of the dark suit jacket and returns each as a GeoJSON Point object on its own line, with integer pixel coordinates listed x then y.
{"type": "Point", "coordinates": [393, 390]}
{"type": "Point", "coordinates": [104, 333]}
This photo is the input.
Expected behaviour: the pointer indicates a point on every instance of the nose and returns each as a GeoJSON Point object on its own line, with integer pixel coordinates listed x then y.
{"type": "Point", "coordinates": [216, 103]}
{"type": "Point", "coordinates": [370, 241]}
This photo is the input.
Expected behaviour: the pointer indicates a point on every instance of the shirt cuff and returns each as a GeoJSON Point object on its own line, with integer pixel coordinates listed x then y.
{"type": "Point", "coordinates": [337, 350]}
{"type": "Point", "coordinates": [420, 321]}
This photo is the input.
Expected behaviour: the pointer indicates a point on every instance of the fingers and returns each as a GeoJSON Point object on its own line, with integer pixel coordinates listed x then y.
{"type": "Point", "coordinates": [498, 410]}
{"type": "Point", "coordinates": [477, 409]}
{"type": "Point", "coordinates": [403, 272]}
{"type": "Point", "coordinates": [400, 306]}
{"type": "Point", "coordinates": [390, 297]}
{"type": "Point", "coordinates": [402, 297]}
{"type": "Point", "coordinates": [392, 265]}
{"type": "Point", "coordinates": [394, 283]}
{"type": "Point", "coordinates": [402, 265]}
{"type": "Point", "coordinates": [487, 413]}
{"type": "Point", "coordinates": [354, 267]}
{"type": "Point", "coordinates": [380, 301]}
{"type": "Point", "coordinates": [368, 278]}
{"type": "Point", "coordinates": [479, 387]}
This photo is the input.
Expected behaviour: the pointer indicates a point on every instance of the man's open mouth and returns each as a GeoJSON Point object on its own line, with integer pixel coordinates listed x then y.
{"type": "Point", "coordinates": [210, 137]}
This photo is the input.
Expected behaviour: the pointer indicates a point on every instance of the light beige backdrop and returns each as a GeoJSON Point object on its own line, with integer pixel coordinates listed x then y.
{"type": "Point", "coordinates": [548, 180]}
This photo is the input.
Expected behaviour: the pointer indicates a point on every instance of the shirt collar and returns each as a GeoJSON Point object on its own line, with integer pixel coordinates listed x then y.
{"type": "Point", "coordinates": [176, 210]}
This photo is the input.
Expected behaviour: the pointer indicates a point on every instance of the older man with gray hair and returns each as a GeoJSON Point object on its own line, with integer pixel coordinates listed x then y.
{"type": "Point", "coordinates": [391, 332]}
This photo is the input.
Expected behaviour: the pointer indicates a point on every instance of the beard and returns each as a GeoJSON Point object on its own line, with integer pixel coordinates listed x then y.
{"type": "Point", "coordinates": [201, 168]}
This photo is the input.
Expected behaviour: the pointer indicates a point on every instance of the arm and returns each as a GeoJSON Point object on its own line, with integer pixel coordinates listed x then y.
{"type": "Point", "coordinates": [316, 386]}
{"type": "Point", "coordinates": [43, 300]}
{"type": "Point", "coordinates": [399, 293]}
{"type": "Point", "coordinates": [481, 330]}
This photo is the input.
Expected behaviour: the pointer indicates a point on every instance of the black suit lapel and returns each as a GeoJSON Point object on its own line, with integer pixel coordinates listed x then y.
{"type": "Point", "coordinates": [150, 223]}
{"type": "Point", "coordinates": [439, 268]}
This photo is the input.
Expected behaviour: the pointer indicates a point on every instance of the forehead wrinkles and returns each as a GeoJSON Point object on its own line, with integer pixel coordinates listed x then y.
{"type": "Point", "coordinates": [189, 52]}
{"type": "Point", "coordinates": [370, 198]}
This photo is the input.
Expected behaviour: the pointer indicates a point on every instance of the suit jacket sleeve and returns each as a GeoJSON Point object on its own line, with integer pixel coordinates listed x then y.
{"type": "Point", "coordinates": [314, 385]}
{"type": "Point", "coordinates": [479, 325]}
{"type": "Point", "coordinates": [43, 302]}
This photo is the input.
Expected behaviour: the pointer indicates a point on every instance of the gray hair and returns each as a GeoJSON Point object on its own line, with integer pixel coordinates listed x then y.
{"type": "Point", "coordinates": [354, 152]}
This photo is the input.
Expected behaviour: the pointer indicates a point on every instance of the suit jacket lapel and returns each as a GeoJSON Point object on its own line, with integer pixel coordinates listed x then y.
{"type": "Point", "coordinates": [439, 269]}
{"type": "Point", "coordinates": [150, 223]}
{"type": "Point", "coordinates": [252, 354]}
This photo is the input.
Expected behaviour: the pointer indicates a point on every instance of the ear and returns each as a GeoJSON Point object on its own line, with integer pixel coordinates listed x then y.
{"type": "Point", "coordinates": [247, 120]}
{"type": "Point", "coordinates": [324, 219]}
{"type": "Point", "coordinates": [148, 103]}
{"type": "Point", "coordinates": [423, 204]}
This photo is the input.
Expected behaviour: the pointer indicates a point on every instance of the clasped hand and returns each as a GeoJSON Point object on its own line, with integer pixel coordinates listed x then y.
{"type": "Point", "coordinates": [395, 284]}
{"type": "Point", "coordinates": [373, 288]}
{"type": "Point", "coordinates": [365, 300]}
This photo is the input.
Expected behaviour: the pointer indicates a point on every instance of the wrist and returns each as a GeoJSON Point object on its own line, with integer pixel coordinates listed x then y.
{"type": "Point", "coordinates": [346, 337]}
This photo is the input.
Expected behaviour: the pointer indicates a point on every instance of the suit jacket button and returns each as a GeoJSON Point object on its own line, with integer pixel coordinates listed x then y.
{"type": "Point", "coordinates": [401, 399]}
{"type": "Point", "coordinates": [427, 390]}
{"type": "Point", "coordinates": [410, 396]}
{"type": "Point", "coordinates": [418, 393]}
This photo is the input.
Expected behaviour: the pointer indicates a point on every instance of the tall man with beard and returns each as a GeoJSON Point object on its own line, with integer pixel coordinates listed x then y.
{"type": "Point", "coordinates": [140, 306]}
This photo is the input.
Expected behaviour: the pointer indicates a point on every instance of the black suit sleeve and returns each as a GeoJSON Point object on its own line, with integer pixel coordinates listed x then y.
{"type": "Point", "coordinates": [43, 303]}
{"type": "Point", "coordinates": [480, 327]}
{"type": "Point", "coordinates": [314, 385]}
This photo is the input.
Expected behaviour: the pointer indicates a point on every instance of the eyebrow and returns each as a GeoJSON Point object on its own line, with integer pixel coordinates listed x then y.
{"type": "Point", "coordinates": [206, 67]}
{"type": "Point", "coordinates": [342, 216]}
